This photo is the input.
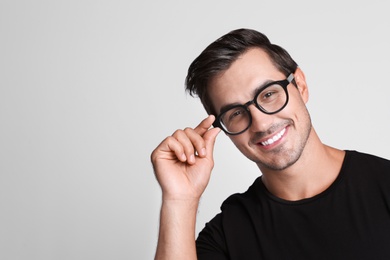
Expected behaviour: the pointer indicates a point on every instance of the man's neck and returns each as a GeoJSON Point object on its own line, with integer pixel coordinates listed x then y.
{"type": "Point", "coordinates": [316, 169]}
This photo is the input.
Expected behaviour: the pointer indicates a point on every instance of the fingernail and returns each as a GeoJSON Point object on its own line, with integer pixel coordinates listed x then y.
{"type": "Point", "coordinates": [203, 152]}
{"type": "Point", "coordinates": [192, 158]}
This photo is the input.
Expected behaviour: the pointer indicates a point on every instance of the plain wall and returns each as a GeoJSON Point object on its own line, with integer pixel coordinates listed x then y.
{"type": "Point", "coordinates": [89, 88]}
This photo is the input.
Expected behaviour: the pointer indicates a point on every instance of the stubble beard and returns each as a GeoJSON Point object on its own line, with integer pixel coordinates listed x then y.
{"type": "Point", "coordinates": [283, 157]}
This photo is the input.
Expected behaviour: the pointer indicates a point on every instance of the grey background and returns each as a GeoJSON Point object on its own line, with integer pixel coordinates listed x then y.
{"type": "Point", "coordinates": [89, 88]}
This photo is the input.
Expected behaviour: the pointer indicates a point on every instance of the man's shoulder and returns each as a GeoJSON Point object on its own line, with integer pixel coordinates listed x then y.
{"type": "Point", "coordinates": [370, 160]}
{"type": "Point", "coordinates": [366, 168]}
{"type": "Point", "coordinates": [250, 196]}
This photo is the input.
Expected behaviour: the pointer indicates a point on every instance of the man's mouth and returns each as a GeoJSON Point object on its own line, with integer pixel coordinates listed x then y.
{"type": "Point", "coordinates": [273, 139]}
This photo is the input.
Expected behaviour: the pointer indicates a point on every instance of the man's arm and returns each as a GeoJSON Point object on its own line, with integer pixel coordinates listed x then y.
{"type": "Point", "coordinates": [182, 164]}
{"type": "Point", "coordinates": [177, 230]}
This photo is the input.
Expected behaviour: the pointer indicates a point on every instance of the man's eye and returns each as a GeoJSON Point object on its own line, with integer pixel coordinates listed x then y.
{"type": "Point", "coordinates": [272, 93]}
{"type": "Point", "coordinates": [235, 114]}
{"type": "Point", "coordinates": [268, 95]}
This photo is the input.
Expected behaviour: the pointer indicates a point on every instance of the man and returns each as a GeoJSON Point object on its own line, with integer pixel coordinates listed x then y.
{"type": "Point", "coordinates": [312, 201]}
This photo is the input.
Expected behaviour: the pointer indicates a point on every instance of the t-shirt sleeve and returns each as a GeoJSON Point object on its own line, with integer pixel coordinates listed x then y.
{"type": "Point", "coordinates": [210, 243]}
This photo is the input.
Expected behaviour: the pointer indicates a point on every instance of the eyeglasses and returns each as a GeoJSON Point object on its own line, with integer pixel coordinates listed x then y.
{"type": "Point", "coordinates": [270, 99]}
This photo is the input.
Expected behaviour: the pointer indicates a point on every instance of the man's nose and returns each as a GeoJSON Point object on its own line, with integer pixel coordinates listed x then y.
{"type": "Point", "coordinates": [260, 120]}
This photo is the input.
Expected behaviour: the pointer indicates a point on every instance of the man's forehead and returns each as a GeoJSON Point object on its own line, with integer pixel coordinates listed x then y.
{"type": "Point", "coordinates": [237, 84]}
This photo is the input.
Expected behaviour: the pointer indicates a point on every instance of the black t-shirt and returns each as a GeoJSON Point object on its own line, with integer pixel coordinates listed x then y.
{"type": "Point", "coordinates": [349, 220]}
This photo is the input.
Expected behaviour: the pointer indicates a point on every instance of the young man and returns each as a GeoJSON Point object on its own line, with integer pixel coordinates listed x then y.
{"type": "Point", "coordinates": [312, 201]}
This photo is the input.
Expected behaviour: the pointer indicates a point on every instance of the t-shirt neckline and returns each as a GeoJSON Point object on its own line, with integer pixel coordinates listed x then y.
{"type": "Point", "coordinates": [261, 187]}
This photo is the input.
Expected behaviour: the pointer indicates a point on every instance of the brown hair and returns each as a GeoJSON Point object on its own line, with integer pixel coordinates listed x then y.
{"type": "Point", "coordinates": [220, 54]}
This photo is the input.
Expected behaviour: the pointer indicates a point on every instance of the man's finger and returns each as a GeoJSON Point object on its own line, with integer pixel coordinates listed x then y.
{"type": "Point", "coordinates": [210, 137]}
{"type": "Point", "coordinates": [205, 125]}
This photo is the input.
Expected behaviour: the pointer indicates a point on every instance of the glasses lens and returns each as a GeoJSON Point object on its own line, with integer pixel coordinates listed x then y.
{"type": "Point", "coordinates": [235, 120]}
{"type": "Point", "coordinates": [272, 98]}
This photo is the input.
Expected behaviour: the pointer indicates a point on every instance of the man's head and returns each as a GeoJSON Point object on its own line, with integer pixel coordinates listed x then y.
{"type": "Point", "coordinates": [219, 56]}
{"type": "Point", "coordinates": [231, 73]}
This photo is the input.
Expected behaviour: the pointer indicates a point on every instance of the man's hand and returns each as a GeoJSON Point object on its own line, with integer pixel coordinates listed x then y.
{"type": "Point", "coordinates": [183, 161]}
{"type": "Point", "coordinates": [182, 165]}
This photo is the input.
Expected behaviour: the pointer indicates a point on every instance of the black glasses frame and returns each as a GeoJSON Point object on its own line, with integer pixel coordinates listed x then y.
{"type": "Point", "coordinates": [282, 83]}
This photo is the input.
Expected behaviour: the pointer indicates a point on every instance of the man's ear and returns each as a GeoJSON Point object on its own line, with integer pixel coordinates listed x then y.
{"type": "Point", "coordinates": [300, 80]}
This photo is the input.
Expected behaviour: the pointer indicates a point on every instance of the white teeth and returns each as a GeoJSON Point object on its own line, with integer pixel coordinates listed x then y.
{"type": "Point", "coordinates": [275, 138]}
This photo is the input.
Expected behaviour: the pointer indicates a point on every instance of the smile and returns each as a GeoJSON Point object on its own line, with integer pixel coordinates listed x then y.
{"type": "Point", "coordinates": [274, 138]}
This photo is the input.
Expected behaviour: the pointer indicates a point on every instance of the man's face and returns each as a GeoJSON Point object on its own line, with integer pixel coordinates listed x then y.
{"type": "Point", "coordinates": [272, 141]}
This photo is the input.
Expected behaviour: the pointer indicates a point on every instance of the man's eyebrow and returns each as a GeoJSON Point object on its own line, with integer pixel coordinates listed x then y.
{"type": "Point", "coordinates": [254, 92]}
{"type": "Point", "coordinates": [265, 83]}
{"type": "Point", "coordinates": [228, 106]}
